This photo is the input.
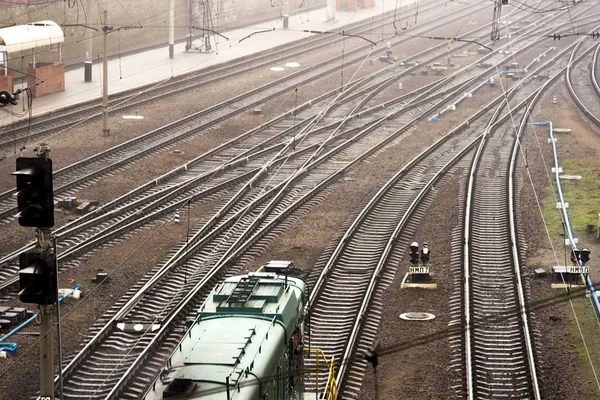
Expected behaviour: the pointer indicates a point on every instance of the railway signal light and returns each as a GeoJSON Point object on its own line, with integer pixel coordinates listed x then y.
{"type": "Point", "coordinates": [584, 256]}
{"type": "Point", "coordinates": [414, 253]}
{"type": "Point", "coordinates": [575, 256]}
{"type": "Point", "coordinates": [35, 196]}
{"type": "Point", "coordinates": [37, 278]}
{"type": "Point", "coordinates": [425, 254]}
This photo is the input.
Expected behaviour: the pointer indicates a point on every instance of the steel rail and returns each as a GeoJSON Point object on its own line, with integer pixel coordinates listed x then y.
{"type": "Point", "coordinates": [246, 156]}
{"type": "Point", "coordinates": [214, 271]}
{"type": "Point", "coordinates": [414, 56]}
{"type": "Point", "coordinates": [572, 61]}
{"type": "Point", "coordinates": [185, 167]}
{"type": "Point", "coordinates": [241, 248]}
{"type": "Point", "coordinates": [594, 68]}
{"type": "Point", "coordinates": [389, 246]}
{"type": "Point", "coordinates": [330, 178]}
{"type": "Point", "coordinates": [527, 102]}
{"type": "Point", "coordinates": [220, 72]}
{"type": "Point", "coordinates": [190, 120]}
{"type": "Point", "coordinates": [232, 257]}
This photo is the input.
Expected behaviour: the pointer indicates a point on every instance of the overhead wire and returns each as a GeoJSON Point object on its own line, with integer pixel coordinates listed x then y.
{"type": "Point", "coordinates": [268, 182]}
{"type": "Point", "coordinates": [539, 206]}
{"type": "Point", "coordinates": [122, 263]}
{"type": "Point", "coordinates": [295, 91]}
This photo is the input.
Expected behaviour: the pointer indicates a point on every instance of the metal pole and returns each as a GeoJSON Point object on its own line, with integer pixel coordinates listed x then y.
{"type": "Point", "coordinates": [330, 10]}
{"type": "Point", "coordinates": [105, 28]}
{"type": "Point", "coordinates": [46, 353]}
{"type": "Point", "coordinates": [172, 30]}
{"type": "Point", "coordinates": [87, 70]}
{"type": "Point", "coordinates": [46, 342]}
{"type": "Point", "coordinates": [188, 43]}
{"type": "Point", "coordinates": [59, 342]}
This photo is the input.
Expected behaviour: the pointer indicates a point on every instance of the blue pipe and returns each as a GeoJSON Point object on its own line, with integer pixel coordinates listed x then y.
{"type": "Point", "coordinates": [588, 281]}
{"type": "Point", "coordinates": [12, 347]}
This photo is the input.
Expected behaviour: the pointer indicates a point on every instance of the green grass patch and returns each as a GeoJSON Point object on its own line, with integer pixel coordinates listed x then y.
{"type": "Point", "coordinates": [584, 310]}
{"type": "Point", "coordinates": [583, 196]}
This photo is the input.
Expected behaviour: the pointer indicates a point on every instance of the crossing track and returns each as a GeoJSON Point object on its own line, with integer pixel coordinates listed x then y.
{"type": "Point", "coordinates": [235, 161]}
{"type": "Point", "coordinates": [202, 261]}
{"type": "Point", "coordinates": [344, 303]}
{"type": "Point", "coordinates": [234, 148]}
{"type": "Point", "coordinates": [116, 363]}
{"type": "Point", "coordinates": [82, 173]}
{"type": "Point", "coordinates": [65, 118]}
{"type": "Point", "coordinates": [581, 80]}
{"type": "Point", "coordinates": [206, 258]}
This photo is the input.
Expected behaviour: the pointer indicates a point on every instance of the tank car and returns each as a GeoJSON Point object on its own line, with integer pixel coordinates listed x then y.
{"type": "Point", "coordinates": [245, 343]}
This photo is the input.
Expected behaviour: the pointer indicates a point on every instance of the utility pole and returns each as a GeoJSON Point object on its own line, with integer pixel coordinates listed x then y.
{"type": "Point", "coordinates": [87, 70]}
{"type": "Point", "coordinates": [106, 29]}
{"type": "Point", "coordinates": [47, 342]}
{"type": "Point", "coordinates": [189, 39]}
{"type": "Point", "coordinates": [46, 353]}
{"type": "Point", "coordinates": [330, 10]}
{"type": "Point", "coordinates": [172, 30]}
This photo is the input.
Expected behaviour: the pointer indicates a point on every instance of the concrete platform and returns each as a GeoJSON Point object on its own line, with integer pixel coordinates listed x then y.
{"type": "Point", "coordinates": [421, 285]}
{"type": "Point", "coordinates": [153, 67]}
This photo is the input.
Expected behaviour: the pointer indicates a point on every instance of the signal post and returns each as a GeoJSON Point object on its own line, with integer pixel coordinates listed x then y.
{"type": "Point", "coordinates": [572, 276]}
{"type": "Point", "coordinates": [37, 268]}
{"type": "Point", "coordinates": [418, 276]}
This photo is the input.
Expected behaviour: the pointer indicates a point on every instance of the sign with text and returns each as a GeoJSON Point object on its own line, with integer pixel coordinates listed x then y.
{"type": "Point", "coordinates": [578, 269]}
{"type": "Point", "coordinates": [419, 270]}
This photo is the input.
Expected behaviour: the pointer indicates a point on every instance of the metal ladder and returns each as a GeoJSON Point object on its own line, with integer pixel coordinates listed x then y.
{"type": "Point", "coordinates": [243, 290]}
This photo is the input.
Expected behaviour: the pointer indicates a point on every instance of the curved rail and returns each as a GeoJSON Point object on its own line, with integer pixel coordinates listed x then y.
{"type": "Point", "coordinates": [572, 61]}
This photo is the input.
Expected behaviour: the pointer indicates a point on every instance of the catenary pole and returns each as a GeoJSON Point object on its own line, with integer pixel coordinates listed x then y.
{"type": "Point", "coordinates": [87, 70]}
{"type": "Point", "coordinates": [105, 28]}
{"type": "Point", "coordinates": [330, 10]}
{"type": "Point", "coordinates": [172, 30]}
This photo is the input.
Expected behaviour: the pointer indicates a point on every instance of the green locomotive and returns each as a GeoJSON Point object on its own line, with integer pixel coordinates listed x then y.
{"type": "Point", "coordinates": [245, 343]}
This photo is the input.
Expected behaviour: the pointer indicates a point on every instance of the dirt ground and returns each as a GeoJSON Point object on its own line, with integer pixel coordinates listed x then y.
{"type": "Point", "coordinates": [414, 373]}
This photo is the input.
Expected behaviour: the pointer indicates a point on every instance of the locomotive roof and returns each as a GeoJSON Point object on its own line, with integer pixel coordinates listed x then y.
{"type": "Point", "coordinates": [240, 331]}
{"type": "Point", "coordinates": [214, 350]}
{"type": "Point", "coordinates": [265, 294]}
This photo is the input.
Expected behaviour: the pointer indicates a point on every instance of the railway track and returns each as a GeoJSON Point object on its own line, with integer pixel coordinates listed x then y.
{"type": "Point", "coordinates": [136, 310]}
{"type": "Point", "coordinates": [351, 274]}
{"type": "Point", "coordinates": [80, 174]}
{"type": "Point", "coordinates": [581, 80]}
{"type": "Point", "coordinates": [66, 118]}
{"type": "Point", "coordinates": [220, 248]}
{"type": "Point", "coordinates": [254, 214]}
{"type": "Point", "coordinates": [499, 352]}
{"type": "Point", "coordinates": [499, 349]}
{"type": "Point", "coordinates": [228, 162]}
